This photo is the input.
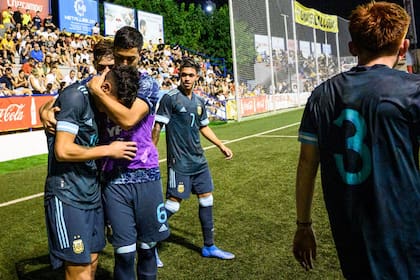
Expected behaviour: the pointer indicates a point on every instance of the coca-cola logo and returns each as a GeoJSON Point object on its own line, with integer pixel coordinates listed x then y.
{"type": "Point", "coordinates": [13, 112]}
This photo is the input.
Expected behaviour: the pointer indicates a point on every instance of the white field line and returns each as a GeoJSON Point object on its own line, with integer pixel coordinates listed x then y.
{"type": "Point", "coordinates": [277, 136]}
{"type": "Point", "coordinates": [163, 160]}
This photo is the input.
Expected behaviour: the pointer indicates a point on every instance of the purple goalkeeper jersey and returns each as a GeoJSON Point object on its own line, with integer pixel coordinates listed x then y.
{"type": "Point", "coordinates": [147, 154]}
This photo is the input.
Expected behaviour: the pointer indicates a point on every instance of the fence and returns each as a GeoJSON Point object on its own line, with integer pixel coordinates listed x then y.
{"type": "Point", "coordinates": [281, 50]}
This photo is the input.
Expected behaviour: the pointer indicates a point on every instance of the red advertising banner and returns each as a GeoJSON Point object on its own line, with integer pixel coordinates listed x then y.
{"type": "Point", "coordinates": [247, 106]}
{"type": "Point", "coordinates": [253, 105]}
{"type": "Point", "coordinates": [43, 6]}
{"type": "Point", "coordinates": [21, 112]}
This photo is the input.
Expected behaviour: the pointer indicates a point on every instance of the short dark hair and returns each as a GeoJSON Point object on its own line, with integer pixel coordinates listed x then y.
{"type": "Point", "coordinates": [102, 48]}
{"type": "Point", "coordinates": [190, 63]}
{"type": "Point", "coordinates": [126, 79]}
{"type": "Point", "coordinates": [128, 37]}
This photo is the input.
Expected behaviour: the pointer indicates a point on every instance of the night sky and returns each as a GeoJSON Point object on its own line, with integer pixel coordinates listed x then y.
{"type": "Point", "coordinates": [341, 8]}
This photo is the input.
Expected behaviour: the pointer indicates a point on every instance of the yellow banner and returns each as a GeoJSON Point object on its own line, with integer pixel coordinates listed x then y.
{"type": "Point", "coordinates": [313, 18]}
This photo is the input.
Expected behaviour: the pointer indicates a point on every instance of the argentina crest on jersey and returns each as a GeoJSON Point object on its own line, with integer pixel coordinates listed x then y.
{"type": "Point", "coordinates": [78, 246]}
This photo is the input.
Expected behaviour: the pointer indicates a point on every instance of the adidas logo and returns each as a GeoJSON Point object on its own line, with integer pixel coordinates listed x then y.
{"type": "Point", "coordinates": [163, 228]}
{"type": "Point", "coordinates": [183, 110]}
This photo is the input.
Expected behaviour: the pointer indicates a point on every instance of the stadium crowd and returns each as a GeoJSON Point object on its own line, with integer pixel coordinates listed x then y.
{"type": "Point", "coordinates": [36, 57]}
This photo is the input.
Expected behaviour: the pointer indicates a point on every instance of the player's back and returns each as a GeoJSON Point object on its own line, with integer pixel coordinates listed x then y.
{"type": "Point", "coordinates": [368, 126]}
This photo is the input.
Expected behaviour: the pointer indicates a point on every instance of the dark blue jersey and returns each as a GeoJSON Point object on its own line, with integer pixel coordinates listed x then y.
{"type": "Point", "coordinates": [183, 117]}
{"type": "Point", "coordinates": [366, 123]}
{"type": "Point", "coordinates": [74, 183]}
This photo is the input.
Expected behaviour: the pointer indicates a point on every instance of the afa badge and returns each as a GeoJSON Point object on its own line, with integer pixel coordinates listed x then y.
{"type": "Point", "coordinates": [181, 187]}
{"type": "Point", "coordinates": [199, 110]}
{"type": "Point", "coordinates": [78, 246]}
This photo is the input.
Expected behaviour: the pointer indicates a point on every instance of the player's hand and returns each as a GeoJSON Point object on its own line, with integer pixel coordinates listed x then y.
{"type": "Point", "coordinates": [304, 247]}
{"type": "Point", "coordinates": [226, 151]}
{"type": "Point", "coordinates": [95, 84]}
{"type": "Point", "coordinates": [48, 119]}
{"type": "Point", "coordinates": [123, 150]}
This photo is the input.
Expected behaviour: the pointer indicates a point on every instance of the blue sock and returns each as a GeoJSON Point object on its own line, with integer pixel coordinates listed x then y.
{"type": "Point", "coordinates": [146, 265]}
{"type": "Point", "coordinates": [124, 266]}
{"type": "Point", "coordinates": [206, 220]}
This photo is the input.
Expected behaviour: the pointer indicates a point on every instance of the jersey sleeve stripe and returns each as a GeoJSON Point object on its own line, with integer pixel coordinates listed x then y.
{"type": "Point", "coordinates": [205, 122]}
{"type": "Point", "coordinates": [308, 138]}
{"type": "Point", "coordinates": [161, 119]}
{"type": "Point", "coordinates": [67, 127]}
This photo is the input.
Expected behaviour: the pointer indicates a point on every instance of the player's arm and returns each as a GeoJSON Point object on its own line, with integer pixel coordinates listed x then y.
{"type": "Point", "coordinates": [117, 112]}
{"type": "Point", "coordinates": [208, 133]}
{"type": "Point", "coordinates": [47, 115]}
{"type": "Point", "coordinates": [156, 133]}
{"type": "Point", "coordinates": [67, 150]}
{"type": "Point", "coordinates": [304, 244]}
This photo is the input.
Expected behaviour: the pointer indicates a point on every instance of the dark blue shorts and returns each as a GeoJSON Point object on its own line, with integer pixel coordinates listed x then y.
{"type": "Point", "coordinates": [135, 212]}
{"type": "Point", "coordinates": [73, 234]}
{"type": "Point", "coordinates": [181, 186]}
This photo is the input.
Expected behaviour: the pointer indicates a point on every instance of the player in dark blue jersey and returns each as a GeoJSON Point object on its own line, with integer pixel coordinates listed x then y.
{"type": "Point", "coordinates": [184, 116]}
{"type": "Point", "coordinates": [74, 214]}
{"type": "Point", "coordinates": [363, 128]}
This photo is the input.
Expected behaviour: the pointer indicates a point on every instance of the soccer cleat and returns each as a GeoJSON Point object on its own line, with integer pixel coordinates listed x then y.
{"type": "Point", "coordinates": [214, 252]}
{"type": "Point", "coordinates": [159, 263]}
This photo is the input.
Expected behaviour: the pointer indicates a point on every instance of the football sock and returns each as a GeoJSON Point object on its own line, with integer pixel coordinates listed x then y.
{"type": "Point", "coordinates": [124, 266]}
{"type": "Point", "coordinates": [146, 266]}
{"type": "Point", "coordinates": [206, 220]}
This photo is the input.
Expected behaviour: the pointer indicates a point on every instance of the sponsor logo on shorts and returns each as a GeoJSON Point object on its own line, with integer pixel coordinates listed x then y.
{"type": "Point", "coordinates": [163, 228]}
{"type": "Point", "coordinates": [78, 246]}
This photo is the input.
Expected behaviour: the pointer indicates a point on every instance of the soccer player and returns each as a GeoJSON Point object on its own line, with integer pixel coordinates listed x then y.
{"type": "Point", "coordinates": [184, 115]}
{"type": "Point", "coordinates": [74, 214]}
{"type": "Point", "coordinates": [133, 198]}
{"type": "Point", "coordinates": [363, 128]}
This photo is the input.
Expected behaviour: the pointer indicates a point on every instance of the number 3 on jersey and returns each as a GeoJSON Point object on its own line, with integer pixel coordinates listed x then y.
{"type": "Point", "coordinates": [356, 144]}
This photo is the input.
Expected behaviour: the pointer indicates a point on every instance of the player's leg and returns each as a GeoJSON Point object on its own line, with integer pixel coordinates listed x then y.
{"type": "Point", "coordinates": [202, 185]}
{"type": "Point", "coordinates": [77, 271]}
{"type": "Point", "coordinates": [94, 264]}
{"type": "Point", "coordinates": [73, 237]}
{"type": "Point", "coordinates": [117, 200]}
{"type": "Point", "coordinates": [152, 226]}
{"type": "Point", "coordinates": [147, 264]}
{"type": "Point", "coordinates": [205, 213]}
{"type": "Point", "coordinates": [178, 188]}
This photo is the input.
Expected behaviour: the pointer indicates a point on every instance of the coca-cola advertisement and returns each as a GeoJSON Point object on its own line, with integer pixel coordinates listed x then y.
{"type": "Point", "coordinates": [21, 112]}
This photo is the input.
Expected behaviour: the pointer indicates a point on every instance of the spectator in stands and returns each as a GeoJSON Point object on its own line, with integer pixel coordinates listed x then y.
{"type": "Point", "coordinates": [36, 82]}
{"type": "Point", "coordinates": [160, 45]}
{"type": "Point", "coordinates": [7, 16]}
{"type": "Point", "coordinates": [95, 29]}
{"type": "Point", "coordinates": [70, 78]}
{"type": "Point", "coordinates": [7, 78]}
{"type": "Point", "coordinates": [17, 16]}
{"type": "Point", "coordinates": [28, 66]}
{"type": "Point", "coordinates": [37, 21]}
{"type": "Point", "coordinates": [37, 53]}
{"type": "Point", "coordinates": [9, 48]}
{"type": "Point", "coordinates": [46, 66]}
{"type": "Point", "coordinates": [4, 91]}
{"type": "Point", "coordinates": [20, 80]}
{"type": "Point", "coordinates": [48, 22]}
{"type": "Point", "coordinates": [26, 18]}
